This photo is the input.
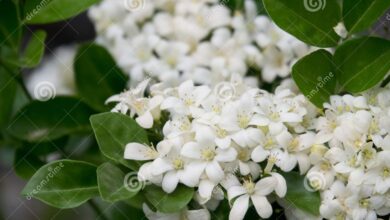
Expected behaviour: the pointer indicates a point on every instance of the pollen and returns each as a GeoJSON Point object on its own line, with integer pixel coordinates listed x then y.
{"type": "Point", "coordinates": [221, 133]}
{"type": "Point", "coordinates": [243, 120]}
{"type": "Point", "coordinates": [208, 154]}
{"type": "Point", "coordinates": [178, 164]}
{"type": "Point", "coordinates": [249, 186]}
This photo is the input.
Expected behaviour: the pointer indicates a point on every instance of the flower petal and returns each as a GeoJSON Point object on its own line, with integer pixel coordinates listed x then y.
{"type": "Point", "coordinates": [263, 207]}
{"type": "Point", "coordinates": [214, 171]}
{"type": "Point", "coordinates": [239, 208]}
{"type": "Point", "coordinates": [137, 151]}
{"type": "Point", "coordinates": [170, 182]}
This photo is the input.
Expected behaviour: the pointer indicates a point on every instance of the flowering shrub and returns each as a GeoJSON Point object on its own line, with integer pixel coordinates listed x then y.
{"type": "Point", "coordinates": [186, 109]}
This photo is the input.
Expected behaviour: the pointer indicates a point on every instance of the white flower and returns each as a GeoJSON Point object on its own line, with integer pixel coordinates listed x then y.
{"type": "Point", "coordinates": [200, 214]}
{"type": "Point", "coordinates": [188, 99]}
{"type": "Point", "coordinates": [256, 192]}
{"type": "Point", "coordinates": [208, 157]}
{"type": "Point", "coordinates": [147, 110]}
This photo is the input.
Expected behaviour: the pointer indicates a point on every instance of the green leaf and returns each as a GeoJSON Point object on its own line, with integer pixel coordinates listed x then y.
{"type": "Point", "coordinates": [169, 203]}
{"type": "Point", "coordinates": [97, 76]}
{"type": "Point", "coordinates": [44, 121]}
{"type": "Point", "coordinates": [10, 28]}
{"type": "Point", "coordinates": [113, 185]}
{"type": "Point", "coordinates": [123, 211]}
{"type": "Point", "coordinates": [360, 15]}
{"type": "Point", "coordinates": [26, 163]}
{"type": "Point", "coordinates": [8, 88]}
{"type": "Point", "coordinates": [310, 23]}
{"type": "Point", "coordinates": [114, 131]}
{"type": "Point", "coordinates": [34, 50]}
{"type": "Point", "coordinates": [299, 196]}
{"type": "Point", "coordinates": [315, 77]}
{"type": "Point", "coordinates": [362, 63]}
{"type": "Point", "coordinates": [30, 157]}
{"type": "Point", "coordinates": [63, 184]}
{"type": "Point", "coordinates": [48, 11]}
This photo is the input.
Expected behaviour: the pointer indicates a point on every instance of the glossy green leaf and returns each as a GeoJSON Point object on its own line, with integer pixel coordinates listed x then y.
{"type": "Point", "coordinates": [299, 196]}
{"type": "Point", "coordinates": [123, 211]}
{"type": "Point", "coordinates": [315, 77]}
{"type": "Point", "coordinates": [310, 21]}
{"type": "Point", "coordinates": [63, 184]}
{"type": "Point", "coordinates": [97, 76]}
{"type": "Point", "coordinates": [114, 184]}
{"type": "Point", "coordinates": [8, 88]}
{"type": "Point", "coordinates": [10, 27]}
{"type": "Point", "coordinates": [362, 63]}
{"type": "Point", "coordinates": [48, 11]}
{"type": "Point", "coordinates": [362, 14]}
{"type": "Point", "coordinates": [34, 50]}
{"type": "Point", "coordinates": [169, 203]}
{"type": "Point", "coordinates": [114, 131]}
{"type": "Point", "coordinates": [44, 121]}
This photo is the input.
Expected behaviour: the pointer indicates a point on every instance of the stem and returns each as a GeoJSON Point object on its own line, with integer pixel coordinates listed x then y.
{"type": "Point", "coordinates": [97, 210]}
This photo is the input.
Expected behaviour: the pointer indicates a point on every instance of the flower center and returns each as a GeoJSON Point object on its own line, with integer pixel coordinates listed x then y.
{"type": "Point", "coordinates": [249, 186]}
{"type": "Point", "coordinates": [243, 120]}
{"type": "Point", "coordinates": [269, 143]}
{"type": "Point", "coordinates": [178, 164]}
{"type": "Point", "coordinates": [364, 203]}
{"type": "Point", "coordinates": [294, 144]}
{"type": "Point", "coordinates": [208, 154]}
{"type": "Point", "coordinates": [275, 116]}
{"type": "Point", "coordinates": [386, 172]}
{"type": "Point", "coordinates": [242, 155]}
{"type": "Point", "coordinates": [221, 133]}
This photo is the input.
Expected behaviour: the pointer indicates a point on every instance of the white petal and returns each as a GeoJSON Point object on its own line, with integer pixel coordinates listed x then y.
{"type": "Point", "coordinates": [263, 207]}
{"type": "Point", "coordinates": [200, 214]}
{"type": "Point", "coordinates": [206, 189]}
{"type": "Point", "coordinates": [235, 191]}
{"type": "Point", "coordinates": [145, 120]}
{"type": "Point", "coordinates": [227, 155]}
{"type": "Point", "coordinates": [265, 186]}
{"type": "Point", "coordinates": [223, 143]}
{"type": "Point", "coordinates": [170, 182]}
{"type": "Point", "coordinates": [191, 150]}
{"type": "Point", "coordinates": [239, 208]}
{"type": "Point", "coordinates": [259, 154]}
{"type": "Point", "coordinates": [137, 151]}
{"type": "Point", "coordinates": [214, 171]}
{"type": "Point", "coordinates": [191, 173]}
{"type": "Point", "coordinates": [281, 185]}
{"type": "Point", "coordinates": [160, 166]}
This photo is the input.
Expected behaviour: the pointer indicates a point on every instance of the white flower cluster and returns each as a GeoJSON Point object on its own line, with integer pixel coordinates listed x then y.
{"type": "Point", "coordinates": [236, 138]}
{"type": "Point", "coordinates": [217, 137]}
{"type": "Point", "coordinates": [201, 40]}
{"type": "Point", "coordinates": [351, 159]}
